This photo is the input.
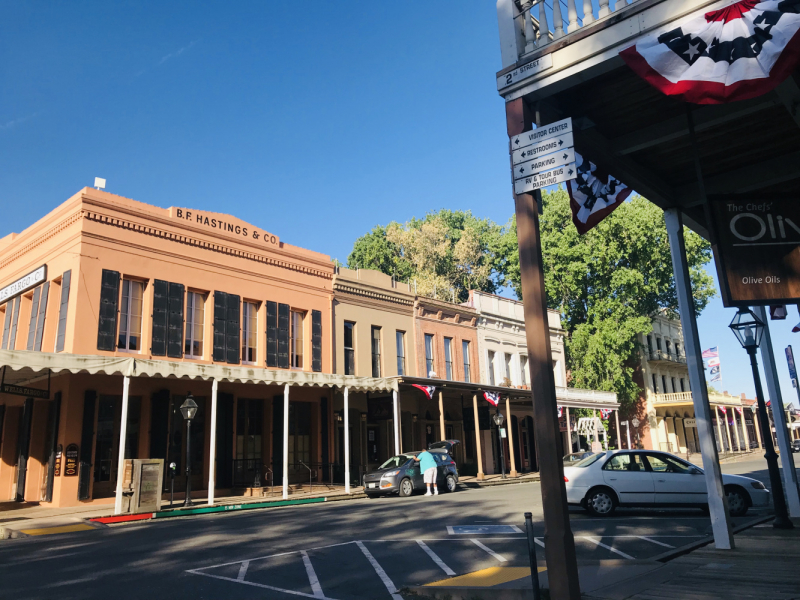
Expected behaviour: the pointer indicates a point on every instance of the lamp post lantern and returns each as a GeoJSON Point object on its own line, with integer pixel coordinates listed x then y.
{"type": "Point", "coordinates": [748, 329]}
{"type": "Point", "coordinates": [498, 419]}
{"type": "Point", "coordinates": [188, 410]}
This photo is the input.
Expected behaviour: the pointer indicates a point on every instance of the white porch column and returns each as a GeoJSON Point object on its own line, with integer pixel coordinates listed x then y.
{"type": "Point", "coordinates": [513, 472]}
{"type": "Point", "coordinates": [594, 422]}
{"type": "Point", "coordinates": [123, 431]}
{"type": "Point", "coordinates": [619, 434]}
{"type": "Point", "coordinates": [478, 437]}
{"type": "Point", "coordinates": [569, 431]}
{"type": "Point", "coordinates": [286, 441]}
{"type": "Point", "coordinates": [396, 422]}
{"type": "Point", "coordinates": [628, 433]}
{"type": "Point", "coordinates": [212, 447]}
{"type": "Point", "coordinates": [717, 501]}
{"type": "Point", "coordinates": [346, 442]}
{"type": "Point", "coordinates": [744, 430]}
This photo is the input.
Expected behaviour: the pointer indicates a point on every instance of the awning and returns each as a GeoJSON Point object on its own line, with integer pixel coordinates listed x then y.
{"type": "Point", "coordinates": [24, 367]}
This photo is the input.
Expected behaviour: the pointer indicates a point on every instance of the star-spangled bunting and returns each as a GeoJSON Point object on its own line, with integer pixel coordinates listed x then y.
{"type": "Point", "coordinates": [723, 410]}
{"type": "Point", "coordinates": [593, 194]}
{"type": "Point", "coordinates": [427, 389]}
{"type": "Point", "coordinates": [741, 51]}
{"type": "Point", "coordinates": [492, 397]}
{"type": "Point", "coordinates": [740, 410]}
{"type": "Point", "coordinates": [560, 411]}
{"type": "Point", "coordinates": [604, 412]}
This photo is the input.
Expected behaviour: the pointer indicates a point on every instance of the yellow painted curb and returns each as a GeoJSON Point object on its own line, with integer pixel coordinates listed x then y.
{"type": "Point", "coordinates": [62, 529]}
{"type": "Point", "coordinates": [486, 577]}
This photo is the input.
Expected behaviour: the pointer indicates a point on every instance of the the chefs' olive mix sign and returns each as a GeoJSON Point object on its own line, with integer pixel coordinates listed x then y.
{"type": "Point", "coordinates": [757, 249]}
{"type": "Point", "coordinates": [71, 461]}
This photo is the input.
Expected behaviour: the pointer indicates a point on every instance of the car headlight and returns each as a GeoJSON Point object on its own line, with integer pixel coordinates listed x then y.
{"type": "Point", "coordinates": [391, 473]}
{"type": "Point", "coordinates": [758, 485]}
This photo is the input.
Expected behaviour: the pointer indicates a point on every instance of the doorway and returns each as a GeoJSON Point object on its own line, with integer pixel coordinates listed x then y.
{"type": "Point", "coordinates": [106, 445]}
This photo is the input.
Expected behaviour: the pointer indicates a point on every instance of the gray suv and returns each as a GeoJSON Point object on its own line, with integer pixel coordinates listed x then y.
{"type": "Point", "coordinates": [401, 475]}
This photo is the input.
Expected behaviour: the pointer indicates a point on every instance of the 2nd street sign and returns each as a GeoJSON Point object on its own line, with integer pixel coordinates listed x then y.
{"type": "Point", "coordinates": [548, 146]}
{"type": "Point", "coordinates": [549, 177]}
{"type": "Point", "coordinates": [541, 133]}
{"type": "Point", "coordinates": [544, 163]}
{"type": "Point", "coordinates": [527, 70]}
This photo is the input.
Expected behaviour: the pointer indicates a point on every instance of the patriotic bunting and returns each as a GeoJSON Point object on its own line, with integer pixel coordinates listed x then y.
{"type": "Point", "coordinates": [723, 410]}
{"type": "Point", "coordinates": [594, 194]}
{"type": "Point", "coordinates": [738, 52]}
{"type": "Point", "coordinates": [740, 410]}
{"type": "Point", "coordinates": [711, 359]}
{"type": "Point", "coordinates": [427, 389]}
{"type": "Point", "coordinates": [560, 411]}
{"type": "Point", "coordinates": [492, 397]}
{"type": "Point", "coordinates": [604, 412]}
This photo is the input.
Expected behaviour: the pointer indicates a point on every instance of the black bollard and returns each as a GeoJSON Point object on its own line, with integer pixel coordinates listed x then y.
{"type": "Point", "coordinates": [532, 553]}
{"type": "Point", "coordinates": [172, 467]}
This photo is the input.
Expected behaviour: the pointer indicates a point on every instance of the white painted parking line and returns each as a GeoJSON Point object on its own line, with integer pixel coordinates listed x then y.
{"type": "Point", "coordinates": [436, 559]}
{"type": "Point", "coordinates": [381, 573]}
{"type": "Point", "coordinates": [539, 541]}
{"type": "Point", "coordinates": [647, 539]}
{"type": "Point", "coordinates": [607, 547]}
{"type": "Point", "coordinates": [489, 550]}
{"type": "Point", "coordinates": [481, 529]}
{"type": "Point", "coordinates": [243, 570]}
{"type": "Point", "coordinates": [312, 576]}
{"type": "Point", "coordinates": [260, 585]}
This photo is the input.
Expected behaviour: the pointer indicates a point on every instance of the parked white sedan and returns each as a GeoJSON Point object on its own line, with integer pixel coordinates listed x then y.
{"type": "Point", "coordinates": [606, 480]}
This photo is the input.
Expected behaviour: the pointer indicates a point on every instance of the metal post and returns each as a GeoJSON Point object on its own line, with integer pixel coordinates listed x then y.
{"type": "Point", "coordinates": [171, 484]}
{"type": "Point", "coordinates": [774, 389]}
{"type": "Point", "coordinates": [123, 432]}
{"type": "Point", "coordinates": [396, 423]}
{"type": "Point", "coordinates": [628, 433]}
{"type": "Point", "coordinates": [569, 431]}
{"type": "Point", "coordinates": [187, 500]}
{"type": "Point", "coordinates": [562, 566]}
{"type": "Point", "coordinates": [537, 594]}
{"type": "Point", "coordinates": [619, 434]}
{"type": "Point", "coordinates": [212, 450]}
{"type": "Point", "coordinates": [513, 472]}
{"type": "Point", "coordinates": [781, 511]}
{"type": "Point", "coordinates": [502, 450]}
{"type": "Point", "coordinates": [441, 415]}
{"type": "Point", "coordinates": [477, 437]}
{"type": "Point", "coordinates": [346, 441]}
{"type": "Point", "coordinates": [286, 441]}
{"type": "Point", "coordinates": [717, 501]}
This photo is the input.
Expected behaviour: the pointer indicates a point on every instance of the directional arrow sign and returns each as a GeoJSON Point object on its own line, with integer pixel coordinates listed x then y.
{"type": "Point", "coordinates": [544, 163]}
{"type": "Point", "coordinates": [545, 178]}
{"type": "Point", "coordinates": [523, 140]}
{"type": "Point", "coordinates": [561, 142]}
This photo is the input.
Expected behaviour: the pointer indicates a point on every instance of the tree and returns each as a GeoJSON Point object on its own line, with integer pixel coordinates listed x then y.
{"type": "Point", "coordinates": [448, 253]}
{"type": "Point", "coordinates": [607, 285]}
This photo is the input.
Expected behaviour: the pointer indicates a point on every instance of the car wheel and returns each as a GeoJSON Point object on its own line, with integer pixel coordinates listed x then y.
{"type": "Point", "coordinates": [450, 483]}
{"type": "Point", "coordinates": [737, 502]}
{"type": "Point", "coordinates": [406, 488]}
{"type": "Point", "coordinates": [601, 502]}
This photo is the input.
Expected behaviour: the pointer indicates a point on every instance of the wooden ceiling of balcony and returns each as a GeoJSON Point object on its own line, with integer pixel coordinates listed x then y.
{"type": "Point", "coordinates": [642, 137]}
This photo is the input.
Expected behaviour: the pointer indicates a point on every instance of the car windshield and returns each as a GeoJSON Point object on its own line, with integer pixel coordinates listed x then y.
{"type": "Point", "coordinates": [589, 460]}
{"type": "Point", "coordinates": [395, 461]}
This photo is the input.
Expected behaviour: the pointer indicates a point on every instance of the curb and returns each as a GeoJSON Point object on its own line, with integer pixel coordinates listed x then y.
{"type": "Point", "coordinates": [474, 485]}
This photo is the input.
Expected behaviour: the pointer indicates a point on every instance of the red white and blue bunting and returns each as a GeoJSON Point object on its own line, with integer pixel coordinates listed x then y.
{"type": "Point", "coordinates": [560, 411]}
{"type": "Point", "coordinates": [593, 194]}
{"type": "Point", "coordinates": [738, 52]}
{"type": "Point", "coordinates": [604, 412]}
{"type": "Point", "coordinates": [427, 389]}
{"type": "Point", "coordinates": [492, 397]}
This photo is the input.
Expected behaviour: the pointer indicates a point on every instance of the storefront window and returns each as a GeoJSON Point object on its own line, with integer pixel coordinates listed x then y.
{"type": "Point", "coordinates": [249, 332]}
{"type": "Point", "coordinates": [195, 316]}
{"type": "Point", "coordinates": [130, 316]}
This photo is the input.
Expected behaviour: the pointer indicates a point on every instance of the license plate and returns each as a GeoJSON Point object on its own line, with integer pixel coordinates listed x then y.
{"type": "Point", "coordinates": [372, 485]}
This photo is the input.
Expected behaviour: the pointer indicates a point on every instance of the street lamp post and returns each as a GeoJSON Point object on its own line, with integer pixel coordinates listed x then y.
{"type": "Point", "coordinates": [188, 410]}
{"type": "Point", "coordinates": [748, 330]}
{"type": "Point", "coordinates": [498, 419]}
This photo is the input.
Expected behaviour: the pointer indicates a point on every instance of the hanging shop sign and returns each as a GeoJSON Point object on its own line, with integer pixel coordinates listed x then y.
{"type": "Point", "coordinates": [757, 249]}
{"type": "Point", "coordinates": [21, 390]}
{"type": "Point", "coordinates": [543, 156]}
{"type": "Point", "coordinates": [23, 284]}
{"type": "Point", "coordinates": [71, 461]}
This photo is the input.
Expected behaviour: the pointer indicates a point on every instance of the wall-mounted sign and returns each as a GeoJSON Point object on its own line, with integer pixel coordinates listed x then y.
{"type": "Point", "coordinates": [57, 468]}
{"type": "Point", "coordinates": [757, 249]}
{"type": "Point", "coordinates": [71, 461]}
{"type": "Point", "coordinates": [19, 390]}
{"type": "Point", "coordinates": [23, 284]}
{"type": "Point", "coordinates": [527, 70]}
{"type": "Point", "coordinates": [543, 156]}
{"type": "Point", "coordinates": [690, 422]}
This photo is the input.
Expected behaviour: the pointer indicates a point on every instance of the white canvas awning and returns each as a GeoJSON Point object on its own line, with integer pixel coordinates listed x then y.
{"type": "Point", "coordinates": [23, 367]}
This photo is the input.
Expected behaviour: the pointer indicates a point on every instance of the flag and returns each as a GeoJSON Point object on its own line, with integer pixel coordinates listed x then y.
{"type": "Point", "coordinates": [711, 353]}
{"type": "Point", "coordinates": [593, 194]}
{"type": "Point", "coordinates": [604, 412]}
{"type": "Point", "coordinates": [738, 52]}
{"type": "Point", "coordinates": [716, 378]}
{"type": "Point", "coordinates": [560, 411]}
{"type": "Point", "coordinates": [492, 397]}
{"type": "Point", "coordinates": [713, 362]}
{"type": "Point", "coordinates": [723, 410]}
{"type": "Point", "coordinates": [740, 410]}
{"type": "Point", "coordinates": [715, 370]}
{"type": "Point", "coordinates": [769, 403]}
{"type": "Point", "coordinates": [427, 389]}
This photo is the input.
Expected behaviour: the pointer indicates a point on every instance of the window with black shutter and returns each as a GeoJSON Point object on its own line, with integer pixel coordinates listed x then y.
{"type": "Point", "coordinates": [175, 321]}
{"type": "Point", "coordinates": [7, 324]}
{"type": "Point", "coordinates": [37, 343]}
{"type": "Point", "coordinates": [34, 314]}
{"type": "Point", "coordinates": [283, 336]}
{"type": "Point", "coordinates": [62, 311]}
{"type": "Point", "coordinates": [12, 336]}
{"type": "Point", "coordinates": [272, 334]}
{"type": "Point", "coordinates": [232, 330]}
{"type": "Point", "coordinates": [316, 340]}
{"type": "Point", "coordinates": [107, 323]}
{"type": "Point", "coordinates": [220, 317]}
{"type": "Point", "coordinates": [158, 344]}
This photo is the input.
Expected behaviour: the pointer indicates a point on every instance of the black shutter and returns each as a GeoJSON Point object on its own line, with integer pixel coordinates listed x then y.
{"type": "Point", "coordinates": [52, 422]}
{"type": "Point", "coordinates": [158, 343]}
{"type": "Point", "coordinates": [37, 343]}
{"type": "Point", "coordinates": [87, 437]}
{"type": "Point", "coordinates": [220, 314]}
{"type": "Point", "coordinates": [12, 339]}
{"type": "Point", "coordinates": [316, 340]}
{"type": "Point", "coordinates": [34, 315]}
{"type": "Point", "coordinates": [232, 350]}
{"type": "Point", "coordinates": [272, 334]}
{"type": "Point", "coordinates": [283, 336]}
{"type": "Point", "coordinates": [107, 325]}
{"type": "Point", "coordinates": [24, 447]}
{"type": "Point", "coordinates": [62, 311]}
{"type": "Point", "coordinates": [7, 324]}
{"type": "Point", "coordinates": [175, 321]}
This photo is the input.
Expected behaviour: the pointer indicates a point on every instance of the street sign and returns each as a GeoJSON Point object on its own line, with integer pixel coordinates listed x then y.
{"type": "Point", "coordinates": [539, 134]}
{"type": "Point", "coordinates": [544, 163]}
{"type": "Point", "coordinates": [527, 70]}
{"type": "Point", "coordinates": [549, 177]}
{"type": "Point", "coordinates": [542, 147]}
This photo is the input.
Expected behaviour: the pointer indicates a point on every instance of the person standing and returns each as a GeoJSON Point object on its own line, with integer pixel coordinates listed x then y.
{"type": "Point", "coordinates": [427, 464]}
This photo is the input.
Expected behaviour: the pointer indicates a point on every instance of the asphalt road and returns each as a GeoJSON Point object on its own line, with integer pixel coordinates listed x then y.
{"type": "Point", "coordinates": [343, 550]}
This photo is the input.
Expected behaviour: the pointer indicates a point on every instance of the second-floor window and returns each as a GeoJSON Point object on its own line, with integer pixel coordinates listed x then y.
{"type": "Point", "coordinates": [429, 354]}
{"type": "Point", "coordinates": [674, 387]}
{"type": "Point", "coordinates": [448, 358]}
{"type": "Point", "coordinates": [658, 343]}
{"type": "Point", "coordinates": [677, 349]}
{"type": "Point", "coordinates": [523, 367]}
{"type": "Point", "coordinates": [400, 338]}
{"type": "Point", "coordinates": [666, 342]}
{"type": "Point", "coordinates": [490, 367]}
{"type": "Point", "coordinates": [249, 332]}
{"type": "Point", "coordinates": [683, 389]}
{"type": "Point", "coordinates": [507, 373]}
{"type": "Point", "coordinates": [376, 351]}
{"type": "Point", "coordinates": [655, 383]}
{"type": "Point", "coordinates": [465, 354]}
{"type": "Point", "coordinates": [297, 339]}
{"type": "Point", "coordinates": [349, 349]}
{"type": "Point", "coordinates": [130, 316]}
{"type": "Point", "coordinates": [664, 383]}
{"type": "Point", "coordinates": [649, 343]}
{"type": "Point", "coordinates": [195, 316]}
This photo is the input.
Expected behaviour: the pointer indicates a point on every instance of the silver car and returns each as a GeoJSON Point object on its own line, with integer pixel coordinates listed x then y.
{"type": "Point", "coordinates": [401, 474]}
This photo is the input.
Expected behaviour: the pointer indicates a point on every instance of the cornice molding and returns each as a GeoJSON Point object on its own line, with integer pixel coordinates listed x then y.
{"type": "Point", "coordinates": [41, 239]}
{"type": "Point", "coordinates": [343, 288]}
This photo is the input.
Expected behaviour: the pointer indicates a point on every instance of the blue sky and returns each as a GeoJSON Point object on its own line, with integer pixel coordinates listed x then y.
{"type": "Point", "coordinates": [314, 121]}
